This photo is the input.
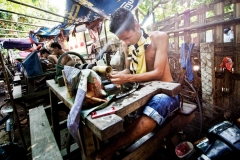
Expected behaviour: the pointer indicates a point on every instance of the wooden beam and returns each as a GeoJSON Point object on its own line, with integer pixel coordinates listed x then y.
{"type": "Point", "coordinates": [235, 20]}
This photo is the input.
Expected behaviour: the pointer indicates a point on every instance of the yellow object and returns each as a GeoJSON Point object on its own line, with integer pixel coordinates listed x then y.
{"type": "Point", "coordinates": [102, 69]}
{"type": "Point", "coordinates": [137, 52]}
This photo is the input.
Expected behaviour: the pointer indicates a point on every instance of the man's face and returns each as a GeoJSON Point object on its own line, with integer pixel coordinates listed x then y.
{"type": "Point", "coordinates": [55, 50]}
{"type": "Point", "coordinates": [44, 55]}
{"type": "Point", "coordinates": [129, 37]}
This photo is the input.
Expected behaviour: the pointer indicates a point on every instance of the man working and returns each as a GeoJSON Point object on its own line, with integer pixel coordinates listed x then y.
{"type": "Point", "coordinates": [57, 50]}
{"type": "Point", "coordinates": [149, 61]}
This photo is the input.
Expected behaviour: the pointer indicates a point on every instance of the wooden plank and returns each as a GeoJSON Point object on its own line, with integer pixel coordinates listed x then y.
{"type": "Point", "coordinates": [60, 92]}
{"type": "Point", "coordinates": [17, 92]}
{"type": "Point", "coordinates": [141, 96]}
{"type": "Point", "coordinates": [43, 144]}
{"type": "Point", "coordinates": [105, 127]}
{"type": "Point", "coordinates": [45, 74]}
{"type": "Point", "coordinates": [150, 143]}
{"type": "Point", "coordinates": [30, 96]}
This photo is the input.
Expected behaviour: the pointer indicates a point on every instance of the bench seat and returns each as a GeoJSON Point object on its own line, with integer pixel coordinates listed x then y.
{"type": "Point", "coordinates": [43, 143]}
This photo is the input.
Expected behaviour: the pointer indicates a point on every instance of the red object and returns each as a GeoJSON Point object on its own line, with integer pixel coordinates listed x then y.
{"type": "Point", "coordinates": [81, 44]}
{"type": "Point", "coordinates": [227, 63]}
{"type": "Point", "coordinates": [103, 112]}
{"type": "Point", "coordinates": [183, 149]}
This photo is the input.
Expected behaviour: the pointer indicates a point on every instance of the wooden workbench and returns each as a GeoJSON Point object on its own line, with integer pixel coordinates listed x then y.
{"type": "Point", "coordinates": [108, 126]}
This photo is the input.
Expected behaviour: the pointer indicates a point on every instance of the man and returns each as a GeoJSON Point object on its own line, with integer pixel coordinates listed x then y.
{"type": "Point", "coordinates": [149, 61]}
{"type": "Point", "coordinates": [47, 59]}
{"type": "Point", "coordinates": [57, 50]}
{"type": "Point", "coordinates": [45, 54]}
{"type": "Point", "coordinates": [226, 38]}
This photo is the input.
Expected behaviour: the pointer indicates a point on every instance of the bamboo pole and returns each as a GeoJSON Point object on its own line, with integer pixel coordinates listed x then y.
{"type": "Point", "coordinates": [28, 24]}
{"type": "Point", "coordinates": [11, 98]}
{"type": "Point", "coordinates": [24, 4]}
{"type": "Point", "coordinates": [13, 30]}
{"type": "Point", "coordinates": [2, 10]}
{"type": "Point", "coordinates": [10, 35]}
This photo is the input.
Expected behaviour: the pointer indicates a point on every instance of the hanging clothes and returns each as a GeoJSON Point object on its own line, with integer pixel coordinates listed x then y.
{"type": "Point", "coordinates": [186, 62]}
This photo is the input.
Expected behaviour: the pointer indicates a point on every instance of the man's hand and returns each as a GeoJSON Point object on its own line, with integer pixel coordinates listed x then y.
{"type": "Point", "coordinates": [119, 78]}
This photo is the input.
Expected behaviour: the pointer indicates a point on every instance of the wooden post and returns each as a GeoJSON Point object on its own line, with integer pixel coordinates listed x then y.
{"type": "Point", "coordinates": [237, 38]}
{"type": "Point", "coordinates": [187, 35]}
{"type": "Point", "coordinates": [237, 64]}
{"type": "Point", "coordinates": [218, 38]}
{"type": "Point", "coordinates": [207, 77]}
{"type": "Point", "coordinates": [201, 20]}
{"type": "Point", "coordinates": [11, 98]}
{"type": "Point", "coordinates": [176, 35]}
{"type": "Point", "coordinates": [218, 10]}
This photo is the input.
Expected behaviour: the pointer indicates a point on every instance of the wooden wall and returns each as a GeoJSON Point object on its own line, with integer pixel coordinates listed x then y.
{"type": "Point", "coordinates": [220, 90]}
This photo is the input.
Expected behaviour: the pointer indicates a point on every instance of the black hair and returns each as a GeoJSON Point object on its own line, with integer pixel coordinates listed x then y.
{"type": "Point", "coordinates": [226, 30]}
{"type": "Point", "coordinates": [42, 51]}
{"type": "Point", "coordinates": [122, 20]}
{"type": "Point", "coordinates": [56, 45]}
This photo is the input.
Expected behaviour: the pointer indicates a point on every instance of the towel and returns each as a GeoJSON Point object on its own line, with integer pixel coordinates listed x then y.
{"type": "Point", "coordinates": [186, 62]}
{"type": "Point", "coordinates": [89, 82]}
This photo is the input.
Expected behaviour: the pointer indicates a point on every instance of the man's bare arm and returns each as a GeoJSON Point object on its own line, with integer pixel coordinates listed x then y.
{"type": "Point", "coordinates": [160, 43]}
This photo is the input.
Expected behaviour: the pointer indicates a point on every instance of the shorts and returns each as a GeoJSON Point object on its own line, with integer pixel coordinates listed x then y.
{"type": "Point", "coordinates": [161, 106]}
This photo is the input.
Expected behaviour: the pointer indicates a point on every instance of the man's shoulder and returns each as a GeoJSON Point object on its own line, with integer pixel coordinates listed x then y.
{"type": "Point", "coordinates": [158, 36]}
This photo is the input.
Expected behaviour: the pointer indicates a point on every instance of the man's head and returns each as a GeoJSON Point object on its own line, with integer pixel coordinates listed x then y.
{"type": "Point", "coordinates": [226, 30]}
{"type": "Point", "coordinates": [122, 20]}
{"type": "Point", "coordinates": [44, 53]}
{"type": "Point", "coordinates": [124, 26]}
{"type": "Point", "coordinates": [57, 49]}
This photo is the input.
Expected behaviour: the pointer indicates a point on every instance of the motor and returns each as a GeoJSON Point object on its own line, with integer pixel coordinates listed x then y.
{"type": "Point", "coordinates": [223, 142]}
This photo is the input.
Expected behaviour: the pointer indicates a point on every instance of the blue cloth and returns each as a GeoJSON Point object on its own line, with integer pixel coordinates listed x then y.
{"type": "Point", "coordinates": [160, 107]}
{"type": "Point", "coordinates": [19, 66]}
{"type": "Point", "coordinates": [47, 32]}
{"type": "Point", "coordinates": [186, 62]}
{"type": "Point", "coordinates": [91, 10]}
{"type": "Point", "coordinates": [32, 65]}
